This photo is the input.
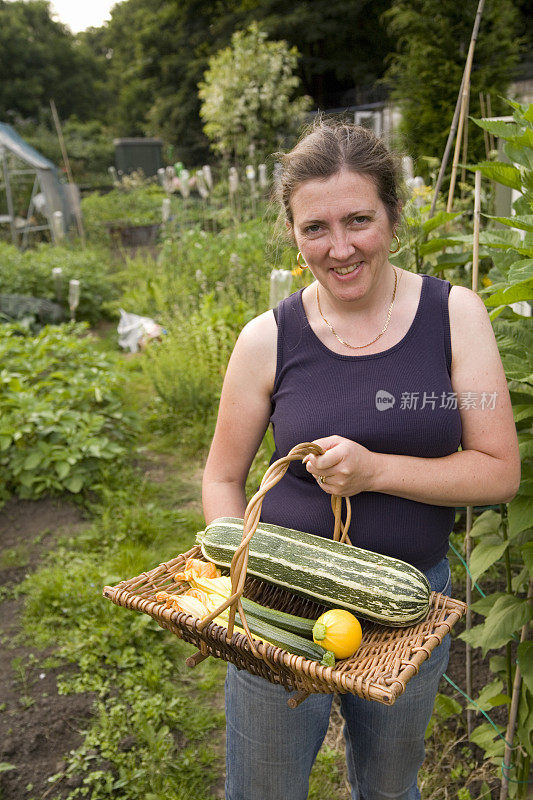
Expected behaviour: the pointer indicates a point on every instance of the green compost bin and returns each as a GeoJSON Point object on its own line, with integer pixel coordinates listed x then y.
{"type": "Point", "coordinates": [135, 154]}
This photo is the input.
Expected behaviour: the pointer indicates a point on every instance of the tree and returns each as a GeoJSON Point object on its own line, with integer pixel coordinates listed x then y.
{"type": "Point", "coordinates": [154, 53]}
{"type": "Point", "coordinates": [432, 39]}
{"type": "Point", "coordinates": [40, 59]}
{"type": "Point", "coordinates": [342, 44]}
{"type": "Point", "coordinates": [247, 95]}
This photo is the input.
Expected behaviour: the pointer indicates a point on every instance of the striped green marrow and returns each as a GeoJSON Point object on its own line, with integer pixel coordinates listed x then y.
{"type": "Point", "coordinates": [370, 585]}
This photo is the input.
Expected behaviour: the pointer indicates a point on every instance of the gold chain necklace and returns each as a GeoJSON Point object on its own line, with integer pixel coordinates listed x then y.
{"type": "Point", "coordinates": [359, 346]}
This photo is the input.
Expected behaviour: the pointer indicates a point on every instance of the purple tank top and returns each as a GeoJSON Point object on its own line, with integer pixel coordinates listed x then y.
{"type": "Point", "coordinates": [398, 401]}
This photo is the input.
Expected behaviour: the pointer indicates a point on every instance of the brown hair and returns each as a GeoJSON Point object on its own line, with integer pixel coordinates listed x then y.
{"type": "Point", "coordinates": [327, 148]}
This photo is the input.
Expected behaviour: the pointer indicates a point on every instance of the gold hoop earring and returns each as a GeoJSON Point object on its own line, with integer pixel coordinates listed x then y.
{"type": "Point", "coordinates": [398, 244]}
{"type": "Point", "coordinates": [304, 265]}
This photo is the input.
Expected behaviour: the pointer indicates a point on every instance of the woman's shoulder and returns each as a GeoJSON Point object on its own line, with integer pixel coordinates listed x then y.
{"type": "Point", "coordinates": [258, 338]}
{"type": "Point", "coordinates": [259, 327]}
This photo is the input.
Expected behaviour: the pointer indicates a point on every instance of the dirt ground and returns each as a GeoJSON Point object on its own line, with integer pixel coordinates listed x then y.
{"type": "Point", "coordinates": [38, 727]}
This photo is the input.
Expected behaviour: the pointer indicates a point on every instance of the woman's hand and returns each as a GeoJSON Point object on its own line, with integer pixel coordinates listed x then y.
{"type": "Point", "coordinates": [345, 469]}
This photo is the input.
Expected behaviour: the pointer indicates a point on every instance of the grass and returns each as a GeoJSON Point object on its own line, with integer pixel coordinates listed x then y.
{"type": "Point", "coordinates": [14, 557]}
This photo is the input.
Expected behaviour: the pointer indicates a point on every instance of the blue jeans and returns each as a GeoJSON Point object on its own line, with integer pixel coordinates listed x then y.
{"type": "Point", "coordinates": [271, 748]}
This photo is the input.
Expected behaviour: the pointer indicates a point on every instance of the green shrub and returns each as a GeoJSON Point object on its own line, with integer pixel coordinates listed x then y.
{"type": "Point", "coordinates": [61, 409]}
{"type": "Point", "coordinates": [187, 368]}
{"type": "Point", "coordinates": [230, 265]}
{"type": "Point", "coordinates": [30, 272]}
{"type": "Point", "coordinates": [139, 205]}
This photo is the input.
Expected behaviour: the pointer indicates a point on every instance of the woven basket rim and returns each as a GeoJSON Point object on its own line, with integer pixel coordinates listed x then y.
{"type": "Point", "coordinates": [138, 593]}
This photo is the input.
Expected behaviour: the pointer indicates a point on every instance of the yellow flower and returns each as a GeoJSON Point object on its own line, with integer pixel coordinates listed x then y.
{"type": "Point", "coordinates": [486, 281]}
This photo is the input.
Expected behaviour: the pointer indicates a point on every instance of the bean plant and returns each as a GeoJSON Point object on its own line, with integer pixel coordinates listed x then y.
{"type": "Point", "coordinates": [504, 539]}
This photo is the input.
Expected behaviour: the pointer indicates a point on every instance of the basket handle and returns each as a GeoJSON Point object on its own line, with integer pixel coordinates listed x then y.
{"type": "Point", "coordinates": [239, 562]}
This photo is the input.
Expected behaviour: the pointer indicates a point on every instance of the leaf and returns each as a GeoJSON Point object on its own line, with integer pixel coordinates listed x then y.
{"type": "Point", "coordinates": [507, 615]}
{"type": "Point", "coordinates": [490, 696]}
{"type": "Point", "coordinates": [439, 219]}
{"type": "Point", "coordinates": [523, 223]}
{"type": "Point", "coordinates": [501, 129]}
{"type": "Point", "coordinates": [527, 555]}
{"type": "Point", "coordinates": [485, 554]}
{"type": "Point", "coordinates": [62, 469]}
{"type": "Point", "coordinates": [74, 484]}
{"type": "Point", "coordinates": [499, 171]}
{"type": "Point", "coordinates": [434, 245]}
{"type": "Point", "coordinates": [485, 605]}
{"type": "Point", "coordinates": [488, 522]}
{"type": "Point", "coordinates": [518, 155]}
{"type": "Point", "coordinates": [522, 411]}
{"type": "Point", "coordinates": [5, 441]}
{"type": "Point", "coordinates": [484, 736]}
{"type": "Point", "coordinates": [523, 290]}
{"type": "Point", "coordinates": [521, 270]}
{"type": "Point", "coordinates": [32, 460]}
{"type": "Point", "coordinates": [525, 662]}
{"type": "Point", "coordinates": [524, 726]}
{"type": "Point", "coordinates": [520, 512]}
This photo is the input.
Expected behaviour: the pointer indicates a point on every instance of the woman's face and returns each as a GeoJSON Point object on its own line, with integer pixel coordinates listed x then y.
{"type": "Point", "coordinates": [343, 231]}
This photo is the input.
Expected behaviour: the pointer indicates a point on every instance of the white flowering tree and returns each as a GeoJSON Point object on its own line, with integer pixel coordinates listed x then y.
{"type": "Point", "coordinates": [248, 95]}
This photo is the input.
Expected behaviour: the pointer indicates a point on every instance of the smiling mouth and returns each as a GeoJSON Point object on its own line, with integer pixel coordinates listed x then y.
{"type": "Point", "coordinates": [347, 270]}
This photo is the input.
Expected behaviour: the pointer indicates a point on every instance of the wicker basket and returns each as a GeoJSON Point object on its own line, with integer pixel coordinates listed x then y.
{"type": "Point", "coordinates": [385, 661]}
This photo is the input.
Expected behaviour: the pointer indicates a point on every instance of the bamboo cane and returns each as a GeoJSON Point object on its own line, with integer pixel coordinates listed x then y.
{"type": "Point", "coordinates": [66, 162]}
{"type": "Point", "coordinates": [477, 221]}
{"type": "Point", "coordinates": [485, 133]}
{"type": "Point", "coordinates": [489, 114]}
{"type": "Point", "coordinates": [468, 620]}
{"type": "Point", "coordinates": [462, 116]}
{"type": "Point", "coordinates": [453, 128]}
{"type": "Point", "coordinates": [513, 712]}
{"type": "Point", "coordinates": [469, 510]}
{"type": "Point", "coordinates": [465, 148]}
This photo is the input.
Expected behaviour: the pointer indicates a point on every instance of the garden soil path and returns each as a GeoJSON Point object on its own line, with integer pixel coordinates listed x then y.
{"type": "Point", "coordinates": [38, 727]}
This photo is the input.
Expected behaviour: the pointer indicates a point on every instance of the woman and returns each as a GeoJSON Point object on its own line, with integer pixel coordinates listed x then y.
{"type": "Point", "coordinates": [390, 372]}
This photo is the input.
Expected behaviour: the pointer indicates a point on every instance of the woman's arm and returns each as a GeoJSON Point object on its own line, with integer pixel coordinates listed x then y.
{"type": "Point", "coordinates": [485, 471]}
{"type": "Point", "coordinates": [243, 417]}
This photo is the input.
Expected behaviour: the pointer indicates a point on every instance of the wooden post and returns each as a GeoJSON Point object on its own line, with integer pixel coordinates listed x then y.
{"type": "Point", "coordinates": [466, 90]}
{"type": "Point", "coordinates": [513, 713]}
{"type": "Point", "coordinates": [66, 162]}
{"type": "Point", "coordinates": [469, 510]}
{"type": "Point", "coordinates": [477, 221]}
{"type": "Point", "coordinates": [489, 114]}
{"type": "Point", "coordinates": [465, 81]}
{"type": "Point", "coordinates": [465, 148]}
{"type": "Point", "coordinates": [485, 133]}
{"type": "Point", "coordinates": [9, 198]}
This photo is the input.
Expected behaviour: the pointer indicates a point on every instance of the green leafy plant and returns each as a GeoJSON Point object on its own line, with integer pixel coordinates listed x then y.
{"type": "Point", "coordinates": [427, 244]}
{"type": "Point", "coordinates": [506, 538]}
{"type": "Point", "coordinates": [122, 207]}
{"type": "Point", "coordinates": [187, 368]}
{"type": "Point", "coordinates": [61, 408]}
{"type": "Point", "coordinates": [30, 273]}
